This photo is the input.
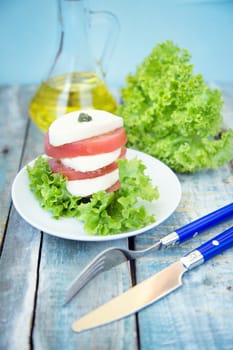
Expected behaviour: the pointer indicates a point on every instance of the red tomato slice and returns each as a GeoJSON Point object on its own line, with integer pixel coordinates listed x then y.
{"type": "Point", "coordinates": [123, 153]}
{"type": "Point", "coordinates": [116, 186]}
{"type": "Point", "coordinates": [94, 145]}
{"type": "Point", "coordinates": [57, 167]}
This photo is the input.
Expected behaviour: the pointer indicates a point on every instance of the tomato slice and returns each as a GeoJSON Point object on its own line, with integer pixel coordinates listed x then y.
{"type": "Point", "coordinates": [116, 186]}
{"type": "Point", "coordinates": [123, 153]}
{"type": "Point", "coordinates": [57, 167]}
{"type": "Point", "coordinates": [94, 145]}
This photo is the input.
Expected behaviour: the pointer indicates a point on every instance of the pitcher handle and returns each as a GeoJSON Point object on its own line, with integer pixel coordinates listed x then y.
{"type": "Point", "coordinates": [111, 33]}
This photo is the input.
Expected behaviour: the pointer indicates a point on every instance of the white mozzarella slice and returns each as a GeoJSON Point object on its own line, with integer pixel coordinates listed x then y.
{"type": "Point", "coordinates": [87, 187]}
{"type": "Point", "coordinates": [91, 163]}
{"type": "Point", "coordinates": [68, 128]}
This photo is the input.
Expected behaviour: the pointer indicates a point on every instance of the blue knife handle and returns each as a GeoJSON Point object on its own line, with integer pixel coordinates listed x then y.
{"type": "Point", "coordinates": [195, 227]}
{"type": "Point", "coordinates": [208, 249]}
{"type": "Point", "coordinates": [217, 244]}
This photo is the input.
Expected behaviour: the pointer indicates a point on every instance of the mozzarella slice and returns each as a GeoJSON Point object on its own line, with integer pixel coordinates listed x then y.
{"type": "Point", "coordinates": [91, 163]}
{"type": "Point", "coordinates": [87, 187]}
{"type": "Point", "coordinates": [68, 128]}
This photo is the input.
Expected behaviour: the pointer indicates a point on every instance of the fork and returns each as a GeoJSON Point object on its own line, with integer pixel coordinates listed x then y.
{"type": "Point", "coordinates": [114, 256]}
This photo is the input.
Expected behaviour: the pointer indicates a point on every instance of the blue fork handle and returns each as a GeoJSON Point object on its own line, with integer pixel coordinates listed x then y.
{"type": "Point", "coordinates": [195, 227]}
{"type": "Point", "coordinates": [217, 244]}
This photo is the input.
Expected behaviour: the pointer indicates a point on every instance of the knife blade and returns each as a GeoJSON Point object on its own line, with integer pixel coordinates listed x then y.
{"type": "Point", "coordinates": [180, 235]}
{"type": "Point", "coordinates": [156, 286]}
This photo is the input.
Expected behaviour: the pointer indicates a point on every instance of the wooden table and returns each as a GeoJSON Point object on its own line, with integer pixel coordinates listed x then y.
{"type": "Point", "coordinates": [36, 268]}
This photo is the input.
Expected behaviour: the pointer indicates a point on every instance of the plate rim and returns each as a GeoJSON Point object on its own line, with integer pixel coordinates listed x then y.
{"type": "Point", "coordinates": [94, 238]}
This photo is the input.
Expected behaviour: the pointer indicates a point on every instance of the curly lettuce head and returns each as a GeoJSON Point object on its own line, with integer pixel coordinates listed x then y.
{"type": "Point", "coordinates": [172, 114]}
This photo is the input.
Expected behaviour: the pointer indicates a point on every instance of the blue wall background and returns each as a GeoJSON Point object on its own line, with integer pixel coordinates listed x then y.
{"type": "Point", "coordinates": [29, 36]}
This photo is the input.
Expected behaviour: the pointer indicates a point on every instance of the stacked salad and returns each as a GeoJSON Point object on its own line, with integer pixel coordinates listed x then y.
{"type": "Point", "coordinates": [84, 147]}
{"type": "Point", "coordinates": [86, 175]}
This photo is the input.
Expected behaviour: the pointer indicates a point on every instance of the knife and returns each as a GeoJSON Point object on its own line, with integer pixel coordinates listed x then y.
{"type": "Point", "coordinates": [156, 286]}
{"type": "Point", "coordinates": [181, 235]}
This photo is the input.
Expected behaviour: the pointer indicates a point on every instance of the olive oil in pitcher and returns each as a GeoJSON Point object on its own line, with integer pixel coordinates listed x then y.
{"type": "Point", "coordinates": [67, 93]}
{"type": "Point", "coordinates": [75, 81]}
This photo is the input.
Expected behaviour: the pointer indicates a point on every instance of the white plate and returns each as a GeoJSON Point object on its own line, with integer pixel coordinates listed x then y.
{"type": "Point", "coordinates": [70, 228]}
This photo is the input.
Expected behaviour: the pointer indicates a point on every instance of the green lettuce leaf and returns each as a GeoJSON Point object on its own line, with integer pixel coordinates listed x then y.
{"type": "Point", "coordinates": [104, 213]}
{"type": "Point", "coordinates": [172, 114]}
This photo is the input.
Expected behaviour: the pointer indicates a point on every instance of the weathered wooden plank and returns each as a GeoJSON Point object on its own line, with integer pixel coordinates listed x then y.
{"type": "Point", "coordinates": [200, 314]}
{"type": "Point", "coordinates": [13, 120]}
{"type": "Point", "coordinates": [227, 91]}
{"type": "Point", "coordinates": [35, 269]}
{"type": "Point", "coordinates": [18, 278]}
{"type": "Point", "coordinates": [203, 309]}
{"type": "Point", "coordinates": [61, 260]}
{"type": "Point", "coordinates": [19, 258]}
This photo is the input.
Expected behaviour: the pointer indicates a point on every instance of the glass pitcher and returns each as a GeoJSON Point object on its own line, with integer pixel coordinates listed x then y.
{"type": "Point", "coordinates": [76, 79]}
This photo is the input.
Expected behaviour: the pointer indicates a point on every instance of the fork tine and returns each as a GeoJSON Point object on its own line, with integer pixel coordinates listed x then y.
{"type": "Point", "coordinates": [104, 261]}
{"type": "Point", "coordinates": [86, 275]}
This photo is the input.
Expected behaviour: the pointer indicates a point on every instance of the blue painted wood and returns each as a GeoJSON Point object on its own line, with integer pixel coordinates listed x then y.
{"type": "Point", "coordinates": [60, 261]}
{"type": "Point", "coordinates": [20, 247]}
{"type": "Point", "coordinates": [12, 132]}
{"type": "Point", "coordinates": [18, 281]}
{"type": "Point", "coordinates": [199, 315]}
{"type": "Point", "coordinates": [35, 268]}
